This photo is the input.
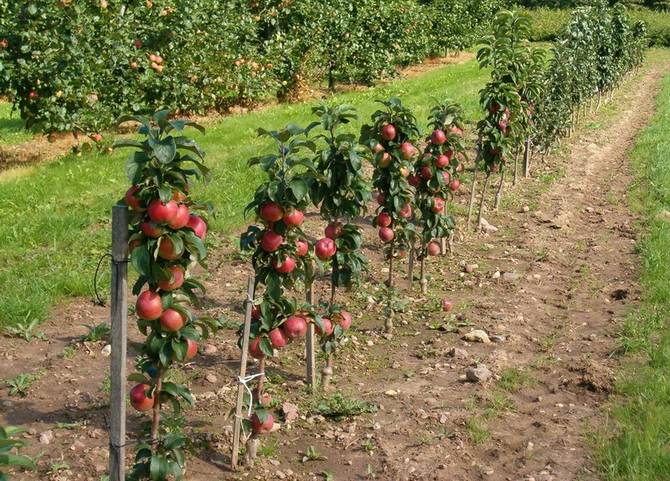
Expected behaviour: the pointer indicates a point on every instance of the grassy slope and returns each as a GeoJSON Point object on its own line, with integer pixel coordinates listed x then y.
{"type": "Point", "coordinates": [56, 218]}
{"type": "Point", "coordinates": [636, 447]}
{"type": "Point", "coordinates": [11, 126]}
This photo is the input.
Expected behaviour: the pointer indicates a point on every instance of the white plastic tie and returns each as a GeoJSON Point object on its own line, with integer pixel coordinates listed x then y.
{"type": "Point", "coordinates": [244, 381]}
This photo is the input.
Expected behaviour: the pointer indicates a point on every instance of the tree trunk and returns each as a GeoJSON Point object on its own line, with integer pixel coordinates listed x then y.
{"type": "Point", "coordinates": [481, 201]}
{"type": "Point", "coordinates": [499, 192]}
{"type": "Point", "coordinates": [156, 413]}
{"type": "Point", "coordinates": [474, 184]}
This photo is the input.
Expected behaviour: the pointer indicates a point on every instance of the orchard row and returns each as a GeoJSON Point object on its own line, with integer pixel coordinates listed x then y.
{"type": "Point", "coordinates": [77, 65]}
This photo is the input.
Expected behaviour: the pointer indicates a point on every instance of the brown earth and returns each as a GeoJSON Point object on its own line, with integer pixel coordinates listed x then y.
{"type": "Point", "coordinates": [552, 285]}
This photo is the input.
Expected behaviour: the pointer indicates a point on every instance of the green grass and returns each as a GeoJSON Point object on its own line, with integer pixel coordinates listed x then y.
{"type": "Point", "coordinates": [56, 216]}
{"type": "Point", "coordinates": [547, 24]}
{"type": "Point", "coordinates": [636, 444]}
{"type": "Point", "coordinates": [11, 126]}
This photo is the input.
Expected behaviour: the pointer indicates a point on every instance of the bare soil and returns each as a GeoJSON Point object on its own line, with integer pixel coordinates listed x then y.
{"type": "Point", "coordinates": [550, 288]}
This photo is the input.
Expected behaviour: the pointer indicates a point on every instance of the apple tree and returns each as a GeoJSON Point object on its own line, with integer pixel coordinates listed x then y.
{"type": "Point", "coordinates": [166, 240]}
{"type": "Point", "coordinates": [281, 255]}
{"type": "Point", "coordinates": [436, 179]}
{"type": "Point", "coordinates": [341, 193]}
{"type": "Point", "coordinates": [392, 138]}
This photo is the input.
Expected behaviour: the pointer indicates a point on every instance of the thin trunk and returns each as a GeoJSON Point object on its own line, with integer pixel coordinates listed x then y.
{"type": "Point", "coordinates": [516, 165]}
{"type": "Point", "coordinates": [261, 380]}
{"type": "Point", "coordinates": [389, 318]}
{"type": "Point", "coordinates": [327, 373]}
{"type": "Point", "coordinates": [156, 414]}
{"type": "Point", "coordinates": [481, 201]}
{"type": "Point", "coordinates": [499, 192]}
{"type": "Point", "coordinates": [410, 266]}
{"type": "Point", "coordinates": [474, 184]}
{"type": "Point", "coordinates": [443, 246]}
{"type": "Point", "coordinates": [526, 157]}
{"type": "Point", "coordinates": [424, 282]}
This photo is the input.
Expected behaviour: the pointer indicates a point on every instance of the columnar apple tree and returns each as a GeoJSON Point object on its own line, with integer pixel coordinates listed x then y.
{"type": "Point", "coordinates": [341, 193]}
{"type": "Point", "coordinates": [507, 53]}
{"type": "Point", "coordinates": [392, 139]}
{"type": "Point", "coordinates": [281, 255]}
{"type": "Point", "coordinates": [167, 239]}
{"type": "Point", "coordinates": [436, 179]}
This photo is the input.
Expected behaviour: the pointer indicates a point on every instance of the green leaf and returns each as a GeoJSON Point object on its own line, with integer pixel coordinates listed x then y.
{"type": "Point", "coordinates": [164, 150]}
{"type": "Point", "coordinates": [158, 468]}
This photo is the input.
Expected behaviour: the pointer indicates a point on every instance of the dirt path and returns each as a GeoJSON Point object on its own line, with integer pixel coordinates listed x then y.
{"type": "Point", "coordinates": [550, 288]}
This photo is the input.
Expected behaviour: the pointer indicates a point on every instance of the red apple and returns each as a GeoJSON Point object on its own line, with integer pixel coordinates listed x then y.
{"type": "Point", "coordinates": [438, 137]}
{"type": "Point", "coordinates": [167, 250]}
{"type": "Point", "coordinates": [406, 211]}
{"type": "Point", "coordinates": [433, 248]}
{"type": "Point", "coordinates": [404, 171]}
{"type": "Point", "coordinates": [137, 43]}
{"type": "Point", "coordinates": [260, 428]}
{"type": "Point", "coordinates": [327, 327]}
{"type": "Point", "coordinates": [408, 150]}
{"type": "Point", "coordinates": [150, 229]}
{"type": "Point", "coordinates": [32, 95]}
{"type": "Point", "coordinates": [455, 184]}
{"type": "Point", "coordinates": [384, 219]}
{"type": "Point", "coordinates": [325, 248]}
{"type": "Point", "coordinates": [181, 219]}
{"type": "Point", "coordinates": [277, 338]}
{"type": "Point", "coordinates": [343, 318]}
{"type": "Point", "coordinates": [446, 176]}
{"type": "Point", "coordinates": [177, 280]}
{"type": "Point", "coordinates": [381, 198]}
{"type": "Point", "coordinates": [271, 212]}
{"type": "Point", "coordinates": [294, 326]}
{"type": "Point", "coordinates": [255, 348]}
{"type": "Point", "coordinates": [162, 213]}
{"type": "Point", "coordinates": [255, 312]}
{"type": "Point", "coordinates": [172, 320]}
{"type": "Point", "coordinates": [438, 205]}
{"type": "Point", "coordinates": [270, 241]}
{"type": "Point", "coordinates": [446, 305]}
{"type": "Point", "coordinates": [388, 132]}
{"type": "Point", "coordinates": [294, 218]}
{"type": "Point", "coordinates": [385, 160]}
{"type": "Point", "coordinates": [301, 247]}
{"type": "Point", "coordinates": [426, 172]}
{"type": "Point", "coordinates": [97, 138]}
{"type": "Point", "coordinates": [198, 225]}
{"type": "Point", "coordinates": [456, 131]}
{"type": "Point", "coordinates": [333, 230]}
{"type": "Point", "coordinates": [286, 266]}
{"type": "Point", "coordinates": [386, 234]}
{"type": "Point", "coordinates": [191, 348]}
{"type": "Point", "coordinates": [378, 148]}
{"type": "Point", "coordinates": [414, 180]}
{"type": "Point", "coordinates": [131, 200]}
{"type": "Point", "coordinates": [149, 306]}
{"type": "Point", "coordinates": [139, 399]}
{"type": "Point", "coordinates": [441, 161]}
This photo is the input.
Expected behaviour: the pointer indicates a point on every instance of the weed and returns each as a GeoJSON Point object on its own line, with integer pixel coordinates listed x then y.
{"type": "Point", "coordinates": [477, 432]}
{"type": "Point", "coordinates": [26, 330]}
{"type": "Point", "coordinates": [312, 455]}
{"type": "Point", "coordinates": [513, 379]}
{"type": "Point", "coordinates": [20, 384]}
{"type": "Point", "coordinates": [339, 407]}
{"type": "Point", "coordinates": [97, 332]}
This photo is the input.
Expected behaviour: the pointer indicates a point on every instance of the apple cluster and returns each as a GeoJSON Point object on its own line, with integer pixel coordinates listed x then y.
{"type": "Point", "coordinates": [156, 237]}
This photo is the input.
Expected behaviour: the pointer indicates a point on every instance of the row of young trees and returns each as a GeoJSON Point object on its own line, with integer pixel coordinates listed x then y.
{"type": "Point", "coordinates": [530, 102]}
{"type": "Point", "coordinates": [77, 66]}
{"type": "Point", "coordinates": [321, 167]}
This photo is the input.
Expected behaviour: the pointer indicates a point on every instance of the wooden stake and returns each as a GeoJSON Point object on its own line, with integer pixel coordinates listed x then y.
{"type": "Point", "coordinates": [119, 339]}
{"type": "Point", "coordinates": [516, 166]}
{"type": "Point", "coordinates": [526, 157]}
{"type": "Point", "coordinates": [237, 428]}
{"type": "Point", "coordinates": [310, 343]}
{"type": "Point", "coordinates": [424, 282]}
{"type": "Point", "coordinates": [327, 371]}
